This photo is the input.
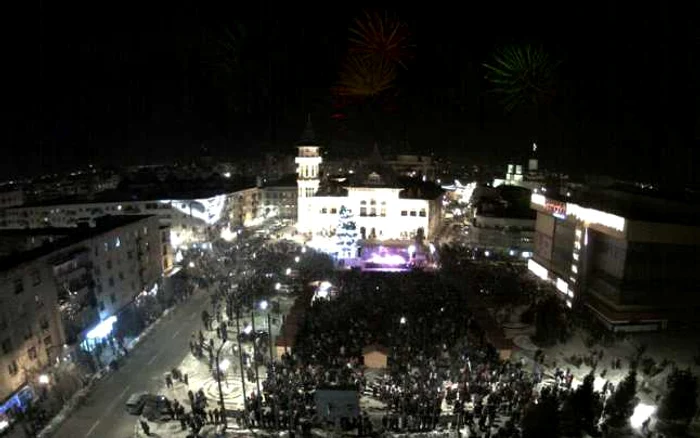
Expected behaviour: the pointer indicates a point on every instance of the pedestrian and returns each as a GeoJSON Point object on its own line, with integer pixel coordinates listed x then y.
{"type": "Point", "coordinates": [211, 416]}
{"type": "Point", "coordinates": [185, 379]}
{"type": "Point", "coordinates": [146, 429]}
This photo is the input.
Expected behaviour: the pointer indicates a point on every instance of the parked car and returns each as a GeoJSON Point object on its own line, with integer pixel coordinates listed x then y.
{"type": "Point", "coordinates": [156, 408]}
{"type": "Point", "coordinates": [134, 404]}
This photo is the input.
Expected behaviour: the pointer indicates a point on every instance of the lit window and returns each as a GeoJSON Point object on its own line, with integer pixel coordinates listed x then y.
{"type": "Point", "coordinates": [117, 242]}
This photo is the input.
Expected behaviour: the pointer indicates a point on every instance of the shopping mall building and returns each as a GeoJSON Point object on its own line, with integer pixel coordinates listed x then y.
{"type": "Point", "coordinates": [630, 257]}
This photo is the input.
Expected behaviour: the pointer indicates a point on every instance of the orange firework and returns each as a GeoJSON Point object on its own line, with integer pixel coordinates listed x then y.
{"type": "Point", "coordinates": [381, 35]}
{"type": "Point", "coordinates": [364, 76]}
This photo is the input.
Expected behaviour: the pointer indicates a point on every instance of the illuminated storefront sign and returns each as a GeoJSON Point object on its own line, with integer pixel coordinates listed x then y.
{"type": "Point", "coordinates": [556, 208]}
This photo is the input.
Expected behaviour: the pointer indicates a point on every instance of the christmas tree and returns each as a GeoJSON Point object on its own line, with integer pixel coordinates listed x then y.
{"type": "Point", "coordinates": [346, 233]}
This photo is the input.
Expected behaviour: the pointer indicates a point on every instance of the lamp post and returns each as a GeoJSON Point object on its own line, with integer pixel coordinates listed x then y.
{"type": "Point", "coordinates": [240, 355]}
{"type": "Point", "coordinates": [219, 370]}
{"type": "Point", "coordinates": [264, 307]}
{"type": "Point", "coordinates": [255, 351]}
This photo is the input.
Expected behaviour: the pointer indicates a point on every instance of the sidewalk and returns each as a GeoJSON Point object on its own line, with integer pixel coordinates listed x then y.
{"type": "Point", "coordinates": [77, 399]}
{"type": "Point", "coordinates": [200, 376]}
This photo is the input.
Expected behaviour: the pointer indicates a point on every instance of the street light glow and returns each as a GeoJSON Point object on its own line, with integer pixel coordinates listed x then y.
{"type": "Point", "coordinates": [263, 304]}
{"type": "Point", "coordinates": [278, 286]}
{"type": "Point", "coordinates": [44, 379]}
{"type": "Point", "coordinates": [296, 259]}
{"type": "Point", "coordinates": [224, 364]}
{"type": "Point", "coordinates": [403, 320]}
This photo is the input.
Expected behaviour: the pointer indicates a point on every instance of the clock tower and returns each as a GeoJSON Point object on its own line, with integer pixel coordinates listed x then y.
{"type": "Point", "coordinates": [308, 160]}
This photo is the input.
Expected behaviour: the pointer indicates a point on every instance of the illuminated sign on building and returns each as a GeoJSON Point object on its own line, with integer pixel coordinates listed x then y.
{"type": "Point", "coordinates": [537, 269]}
{"type": "Point", "coordinates": [556, 208]}
{"type": "Point", "coordinates": [593, 216]}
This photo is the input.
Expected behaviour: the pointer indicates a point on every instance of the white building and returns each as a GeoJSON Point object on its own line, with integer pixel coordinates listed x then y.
{"type": "Point", "coordinates": [198, 217]}
{"type": "Point", "coordinates": [384, 207]}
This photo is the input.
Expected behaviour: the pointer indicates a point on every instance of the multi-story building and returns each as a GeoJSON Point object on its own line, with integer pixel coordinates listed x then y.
{"type": "Point", "coordinates": [193, 217]}
{"type": "Point", "coordinates": [279, 199]}
{"type": "Point", "coordinates": [384, 206]}
{"type": "Point", "coordinates": [630, 257]}
{"type": "Point", "coordinates": [11, 197]}
{"type": "Point", "coordinates": [30, 325]}
{"type": "Point", "coordinates": [58, 293]}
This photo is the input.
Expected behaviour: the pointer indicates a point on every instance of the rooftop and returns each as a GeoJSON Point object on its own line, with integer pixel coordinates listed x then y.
{"type": "Point", "coordinates": [641, 204]}
{"type": "Point", "coordinates": [169, 189]}
{"type": "Point", "coordinates": [72, 236]}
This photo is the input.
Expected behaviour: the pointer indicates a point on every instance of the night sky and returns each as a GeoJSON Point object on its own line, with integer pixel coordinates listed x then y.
{"type": "Point", "coordinates": [129, 83]}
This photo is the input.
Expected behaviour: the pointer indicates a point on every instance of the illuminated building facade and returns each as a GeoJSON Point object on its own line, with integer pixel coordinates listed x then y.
{"type": "Point", "coordinates": [630, 258]}
{"type": "Point", "coordinates": [69, 290]}
{"type": "Point", "coordinates": [383, 206]}
{"type": "Point", "coordinates": [191, 219]}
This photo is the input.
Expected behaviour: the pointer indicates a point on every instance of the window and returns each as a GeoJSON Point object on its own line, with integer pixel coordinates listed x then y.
{"type": "Point", "coordinates": [113, 298]}
{"type": "Point", "coordinates": [373, 211]}
{"type": "Point", "coordinates": [19, 286]}
{"type": "Point", "coordinates": [404, 213]}
{"type": "Point", "coordinates": [422, 212]}
{"type": "Point", "coordinates": [6, 345]}
{"type": "Point", "coordinates": [109, 264]}
{"type": "Point", "coordinates": [129, 255]}
{"type": "Point", "coordinates": [32, 353]}
{"type": "Point", "coordinates": [363, 202]}
{"type": "Point", "coordinates": [372, 202]}
{"type": "Point", "coordinates": [383, 212]}
{"type": "Point", "coordinates": [121, 276]}
{"type": "Point", "coordinates": [363, 211]}
{"type": "Point", "coordinates": [106, 246]}
{"type": "Point", "coordinates": [413, 212]}
{"type": "Point", "coordinates": [324, 210]}
{"type": "Point", "coordinates": [111, 282]}
{"type": "Point", "coordinates": [334, 211]}
{"type": "Point", "coordinates": [36, 278]}
{"type": "Point", "coordinates": [12, 368]}
{"type": "Point", "coordinates": [117, 242]}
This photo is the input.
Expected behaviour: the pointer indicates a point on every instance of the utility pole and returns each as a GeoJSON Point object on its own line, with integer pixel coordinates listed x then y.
{"type": "Point", "coordinates": [240, 356]}
{"type": "Point", "coordinates": [218, 380]}
{"type": "Point", "coordinates": [255, 350]}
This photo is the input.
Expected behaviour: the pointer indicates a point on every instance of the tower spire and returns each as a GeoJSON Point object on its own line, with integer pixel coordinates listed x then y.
{"type": "Point", "coordinates": [308, 136]}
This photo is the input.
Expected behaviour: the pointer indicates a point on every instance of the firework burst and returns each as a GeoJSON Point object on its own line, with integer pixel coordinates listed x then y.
{"type": "Point", "coordinates": [522, 75]}
{"type": "Point", "coordinates": [381, 35]}
{"type": "Point", "coordinates": [363, 76]}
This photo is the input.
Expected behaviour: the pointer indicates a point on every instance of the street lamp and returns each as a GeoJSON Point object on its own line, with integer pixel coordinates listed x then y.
{"type": "Point", "coordinates": [289, 271]}
{"type": "Point", "coordinates": [277, 287]}
{"type": "Point", "coordinates": [403, 320]}
{"type": "Point", "coordinates": [296, 259]}
{"type": "Point", "coordinates": [221, 366]}
{"type": "Point", "coordinates": [263, 303]}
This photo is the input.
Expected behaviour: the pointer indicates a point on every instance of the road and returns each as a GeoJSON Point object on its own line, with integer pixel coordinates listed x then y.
{"type": "Point", "coordinates": [103, 414]}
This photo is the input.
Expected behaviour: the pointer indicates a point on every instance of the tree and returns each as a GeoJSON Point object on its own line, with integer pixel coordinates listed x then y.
{"type": "Point", "coordinates": [581, 409]}
{"type": "Point", "coordinates": [680, 402]}
{"type": "Point", "coordinates": [541, 419]}
{"type": "Point", "coordinates": [623, 401]}
{"type": "Point", "coordinates": [346, 233]}
{"type": "Point", "coordinates": [548, 321]}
